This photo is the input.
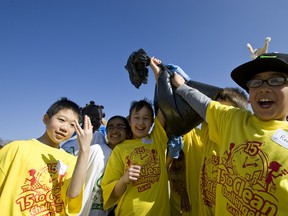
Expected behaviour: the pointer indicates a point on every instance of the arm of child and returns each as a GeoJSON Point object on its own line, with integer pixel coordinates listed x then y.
{"type": "Point", "coordinates": [84, 137]}
{"type": "Point", "coordinates": [197, 100]}
{"type": "Point", "coordinates": [132, 174]}
{"type": "Point", "coordinates": [154, 62]}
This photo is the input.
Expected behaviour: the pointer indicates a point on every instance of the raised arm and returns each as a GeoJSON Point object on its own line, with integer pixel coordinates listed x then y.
{"type": "Point", "coordinates": [84, 137]}
{"type": "Point", "coordinates": [197, 100]}
{"type": "Point", "coordinates": [154, 62]}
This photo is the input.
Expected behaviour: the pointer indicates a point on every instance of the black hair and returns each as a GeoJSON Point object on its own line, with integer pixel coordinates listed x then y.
{"type": "Point", "coordinates": [234, 95]}
{"type": "Point", "coordinates": [92, 105]}
{"type": "Point", "coordinates": [61, 104]}
{"type": "Point", "coordinates": [138, 105]}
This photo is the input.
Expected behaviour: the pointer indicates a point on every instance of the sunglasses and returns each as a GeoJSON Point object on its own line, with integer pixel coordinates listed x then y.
{"type": "Point", "coordinates": [275, 81]}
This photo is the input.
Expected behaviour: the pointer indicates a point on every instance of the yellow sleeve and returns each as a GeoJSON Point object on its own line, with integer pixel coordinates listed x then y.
{"type": "Point", "coordinates": [113, 172]}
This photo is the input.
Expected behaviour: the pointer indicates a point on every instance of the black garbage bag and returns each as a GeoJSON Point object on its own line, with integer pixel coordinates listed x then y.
{"type": "Point", "coordinates": [137, 67]}
{"type": "Point", "coordinates": [179, 116]}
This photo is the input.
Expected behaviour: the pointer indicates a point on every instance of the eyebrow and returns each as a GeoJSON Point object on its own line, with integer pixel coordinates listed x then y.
{"type": "Point", "coordinates": [272, 74]}
{"type": "Point", "coordinates": [116, 124]}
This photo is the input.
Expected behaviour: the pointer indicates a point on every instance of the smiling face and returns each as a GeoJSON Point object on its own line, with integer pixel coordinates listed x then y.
{"type": "Point", "coordinates": [60, 126]}
{"type": "Point", "coordinates": [117, 131]}
{"type": "Point", "coordinates": [140, 122]}
{"type": "Point", "coordinates": [269, 102]}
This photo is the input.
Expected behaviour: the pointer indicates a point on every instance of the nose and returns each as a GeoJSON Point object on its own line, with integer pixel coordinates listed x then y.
{"type": "Point", "coordinates": [64, 128]}
{"type": "Point", "coordinates": [142, 121]}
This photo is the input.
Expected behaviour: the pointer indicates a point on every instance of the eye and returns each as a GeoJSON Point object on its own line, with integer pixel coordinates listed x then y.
{"type": "Point", "coordinates": [61, 119]}
{"type": "Point", "coordinates": [121, 127]}
{"type": "Point", "coordinates": [276, 81]}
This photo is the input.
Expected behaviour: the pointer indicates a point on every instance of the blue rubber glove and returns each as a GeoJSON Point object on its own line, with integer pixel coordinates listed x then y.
{"type": "Point", "coordinates": [175, 145]}
{"type": "Point", "coordinates": [175, 68]}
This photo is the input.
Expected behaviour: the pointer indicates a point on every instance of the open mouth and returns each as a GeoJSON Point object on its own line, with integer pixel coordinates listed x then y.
{"type": "Point", "coordinates": [265, 102]}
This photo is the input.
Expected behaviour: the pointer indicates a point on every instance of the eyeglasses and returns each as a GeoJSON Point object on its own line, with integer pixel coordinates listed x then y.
{"type": "Point", "coordinates": [275, 81]}
{"type": "Point", "coordinates": [117, 127]}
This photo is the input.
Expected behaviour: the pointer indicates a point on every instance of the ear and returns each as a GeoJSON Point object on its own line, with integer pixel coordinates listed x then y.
{"type": "Point", "coordinates": [46, 119]}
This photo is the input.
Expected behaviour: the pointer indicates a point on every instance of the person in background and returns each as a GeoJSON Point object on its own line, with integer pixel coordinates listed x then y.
{"type": "Point", "coordinates": [102, 127]}
{"type": "Point", "coordinates": [36, 176]}
{"type": "Point", "coordinates": [118, 130]}
{"type": "Point", "coordinates": [251, 164]}
{"type": "Point", "coordinates": [179, 200]}
{"type": "Point", "coordinates": [95, 112]}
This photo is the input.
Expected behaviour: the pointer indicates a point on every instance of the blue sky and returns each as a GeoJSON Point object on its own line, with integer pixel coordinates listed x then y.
{"type": "Point", "coordinates": [78, 49]}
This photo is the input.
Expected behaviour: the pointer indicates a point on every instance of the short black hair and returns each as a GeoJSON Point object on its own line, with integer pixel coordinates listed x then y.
{"type": "Point", "coordinates": [138, 105]}
{"type": "Point", "coordinates": [61, 104]}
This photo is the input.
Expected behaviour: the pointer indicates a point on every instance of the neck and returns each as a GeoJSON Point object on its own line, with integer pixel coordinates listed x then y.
{"type": "Point", "coordinates": [47, 141]}
{"type": "Point", "coordinates": [110, 146]}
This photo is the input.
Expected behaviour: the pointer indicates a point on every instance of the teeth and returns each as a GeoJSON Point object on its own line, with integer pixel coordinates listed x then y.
{"type": "Point", "coordinates": [264, 100]}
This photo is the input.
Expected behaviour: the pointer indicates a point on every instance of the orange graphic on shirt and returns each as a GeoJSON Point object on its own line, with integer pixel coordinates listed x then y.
{"type": "Point", "coordinates": [244, 171]}
{"type": "Point", "coordinates": [41, 192]}
{"type": "Point", "coordinates": [148, 159]}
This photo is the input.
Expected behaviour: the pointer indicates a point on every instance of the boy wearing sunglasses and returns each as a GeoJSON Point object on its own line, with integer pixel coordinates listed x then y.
{"type": "Point", "coordinates": [252, 167]}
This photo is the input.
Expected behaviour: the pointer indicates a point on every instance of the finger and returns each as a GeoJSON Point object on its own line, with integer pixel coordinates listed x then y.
{"type": "Point", "coordinates": [137, 167]}
{"type": "Point", "coordinates": [90, 126]}
{"type": "Point", "coordinates": [87, 123]}
{"type": "Point", "coordinates": [77, 126]}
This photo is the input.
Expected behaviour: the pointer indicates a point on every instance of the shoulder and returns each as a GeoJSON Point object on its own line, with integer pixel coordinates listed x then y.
{"type": "Point", "coordinates": [127, 144]}
{"type": "Point", "coordinates": [21, 143]}
{"type": "Point", "coordinates": [158, 131]}
{"type": "Point", "coordinates": [218, 109]}
{"type": "Point", "coordinates": [19, 148]}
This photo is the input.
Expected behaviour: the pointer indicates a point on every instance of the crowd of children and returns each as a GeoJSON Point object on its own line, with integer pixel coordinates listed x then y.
{"type": "Point", "coordinates": [233, 164]}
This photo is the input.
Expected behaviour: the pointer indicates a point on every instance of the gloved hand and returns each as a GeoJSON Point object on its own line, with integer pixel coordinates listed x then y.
{"type": "Point", "coordinates": [175, 68]}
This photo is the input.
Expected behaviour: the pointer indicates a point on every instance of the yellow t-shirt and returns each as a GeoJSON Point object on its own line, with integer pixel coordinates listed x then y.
{"type": "Point", "coordinates": [149, 194]}
{"type": "Point", "coordinates": [193, 152]}
{"type": "Point", "coordinates": [252, 177]}
{"type": "Point", "coordinates": [30, 183]}
{"type": "Point", "coordinates": [201, 158]}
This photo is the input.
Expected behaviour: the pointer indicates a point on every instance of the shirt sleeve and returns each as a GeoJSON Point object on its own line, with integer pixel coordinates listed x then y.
{"type": "Point", "coordinates": [113, 172]}
{"type": "Point", "coordinates": [197, 100]}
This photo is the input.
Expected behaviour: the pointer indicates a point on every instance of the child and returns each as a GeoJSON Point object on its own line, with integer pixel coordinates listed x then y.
{"type": "Point", "coordinates": [252, 171]}
{"type": "Point", "coordinates": [95, 113]}
{"type": "Point", "coordinates": [38, 178]}
{"type": "Point", "coordinates": [118, 130]}
{"type": "Point", "coordinates": [136, 177]}
{"type": "Point", "coordinates": [202, 158]}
